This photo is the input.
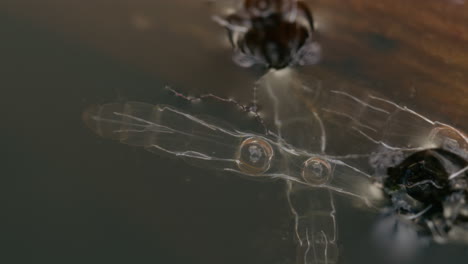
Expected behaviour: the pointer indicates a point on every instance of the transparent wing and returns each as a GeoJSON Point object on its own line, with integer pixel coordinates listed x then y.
{"type": "Point", "coordinates": [346, 120]}
{"type": "Point", "coordinates": [289, 110]}
{"type": "Point", "coordinates": [166, 130]}
{"type": "Point", "coordinates": [311, 177]}
{"type": "Point", "coordinates": [386, 130]}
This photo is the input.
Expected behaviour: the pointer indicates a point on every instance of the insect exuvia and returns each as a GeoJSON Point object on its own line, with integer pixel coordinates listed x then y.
{"type": "Point", "coordinates": [409, 169]}
{"type": "Point", "coordinates": [273, 33]}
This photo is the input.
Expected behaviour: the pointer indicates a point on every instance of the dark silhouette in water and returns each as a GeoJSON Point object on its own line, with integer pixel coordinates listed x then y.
{"type": "Point", "coordinates": [274, 33]}
{"type": "Point", "coordinates": [431, 187]}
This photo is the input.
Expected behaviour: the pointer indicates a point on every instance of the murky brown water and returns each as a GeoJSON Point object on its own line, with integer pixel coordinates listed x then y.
{"type": "Point", "coordinates": [71, 197]}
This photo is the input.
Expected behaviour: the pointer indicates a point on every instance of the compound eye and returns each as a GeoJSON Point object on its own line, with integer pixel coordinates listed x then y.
{"type": "Point", "coordinates": [254, 156]}
{"type": "Point", "coordinates": [316, 171]}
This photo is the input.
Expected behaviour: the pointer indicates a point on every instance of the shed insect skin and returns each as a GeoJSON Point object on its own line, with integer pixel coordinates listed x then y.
{"type": "Point", "coordinates": [273, 33]}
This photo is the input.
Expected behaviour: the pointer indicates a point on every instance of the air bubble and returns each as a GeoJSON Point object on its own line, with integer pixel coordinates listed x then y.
{"type": "Point", "coordinates": [450, 140]}
{"type": "Point", "coordinates": [316, 171]}
{"type": "Point", "coordinates": [254, 156]}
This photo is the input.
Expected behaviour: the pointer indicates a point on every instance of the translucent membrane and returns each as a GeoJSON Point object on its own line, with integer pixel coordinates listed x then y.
{"type": "Point", "coordinates": [311, 178]}
{"type": "Point", "coordinates": [319, 141]}
{"type": "Point", "coordinates": [365, 132]}
{"type": "Point", "coordinates": [316, 171]}
{"type": "Point", "coordinates": [254, 156]}
{"type": "Point", "coordinates": [315, 227]}
{"type": "Point", "coordinates": [450, 139]}
{"type": "Point", "coordinates": [344, 120]}
{"type": "Point", "coordinates": [166, 130]}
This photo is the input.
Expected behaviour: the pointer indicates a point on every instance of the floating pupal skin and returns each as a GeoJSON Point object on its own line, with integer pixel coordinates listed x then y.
{"type": "Point", "coordinates": [274, 33]}
{"type": "Point", "coordinates": [426, 188]}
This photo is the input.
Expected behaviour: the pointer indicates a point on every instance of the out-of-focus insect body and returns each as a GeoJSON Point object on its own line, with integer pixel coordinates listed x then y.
{"type": "Point", "coordinates": [426, 188]}
{"type": "Point", "coordinates": [274, 33]}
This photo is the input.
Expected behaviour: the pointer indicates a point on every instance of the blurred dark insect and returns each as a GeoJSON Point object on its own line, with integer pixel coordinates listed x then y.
{"type": "Point", "coordinates": [430, 187]}
{"type": "Point", "coordinates": [273, 33]}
